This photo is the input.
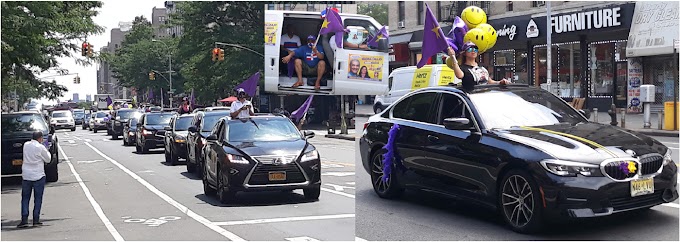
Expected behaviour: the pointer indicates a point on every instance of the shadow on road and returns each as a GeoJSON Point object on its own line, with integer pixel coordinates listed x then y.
{"type": "Point", "coordinates": [251, 199]}
{"type": "Point", "coordinates": [191, 176]}
{"type": "Point", "coordinates": [150, 152]}
{"type": "Point", "coordinates": [11, 185]}
{"type": "Point", "coordinates": [11, 225]}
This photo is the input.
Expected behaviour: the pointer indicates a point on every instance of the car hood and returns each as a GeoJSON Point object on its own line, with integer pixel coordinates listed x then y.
{"type": "Point", "coordinates": [182, 133]}
{"type": "Point", "coordinates": [583, 142]}
{"type": "Point", "coordinates": [156, 127]}
{"type": "Point", "coordinates": [271, 147]}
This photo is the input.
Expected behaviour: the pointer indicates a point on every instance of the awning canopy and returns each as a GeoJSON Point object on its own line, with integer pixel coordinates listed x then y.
{"type": "Point", "coordinates": [404, 38]}
{"type": "Point", "coordinates": [228, 100]}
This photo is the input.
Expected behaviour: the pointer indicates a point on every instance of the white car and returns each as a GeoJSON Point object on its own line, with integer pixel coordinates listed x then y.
{"type": "Point", "coordinates": [63, 120]}
{"type": "Point", "coordinates": [98, 121]}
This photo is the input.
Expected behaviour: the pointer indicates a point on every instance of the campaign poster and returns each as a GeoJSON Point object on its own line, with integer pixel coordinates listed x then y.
{"type": "Point", "coordinates": [270, 29]}
{"type": "Point", "coordinates": [634, 81]}
{"type": "Point", "coordinates": [365, 67]}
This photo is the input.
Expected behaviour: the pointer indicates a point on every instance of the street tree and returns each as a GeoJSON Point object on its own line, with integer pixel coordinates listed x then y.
{"type": "Point", "coordinates": [376, 10]}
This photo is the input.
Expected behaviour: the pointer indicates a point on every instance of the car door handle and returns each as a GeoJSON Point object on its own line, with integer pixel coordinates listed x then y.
{"type": "Point", "coordinates": [432, 138]}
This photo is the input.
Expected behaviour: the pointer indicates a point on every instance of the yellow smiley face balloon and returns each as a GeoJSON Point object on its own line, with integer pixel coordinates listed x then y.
{"type": "Point", "coordinates": [473, 16]}
{"type": "Point", "coordinates": [476, 36]}
{"type": "Point", "coordinates": [490, 36]}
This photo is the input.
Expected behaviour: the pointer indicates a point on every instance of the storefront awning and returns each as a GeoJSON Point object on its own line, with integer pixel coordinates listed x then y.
{"type": "Point", "coordinates": [404, 38]}
{"type": "Point", "coordinates": [654, 30]}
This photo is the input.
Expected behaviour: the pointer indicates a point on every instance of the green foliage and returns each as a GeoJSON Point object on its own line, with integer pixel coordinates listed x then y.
{"type": "Point", "coordinates": [377, 11]}
{"type": "Point", "coordinates": [35, 34]}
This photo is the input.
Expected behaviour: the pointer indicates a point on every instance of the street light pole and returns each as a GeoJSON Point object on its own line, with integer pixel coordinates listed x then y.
{"type": "Point", "coordinates": [169, 71]}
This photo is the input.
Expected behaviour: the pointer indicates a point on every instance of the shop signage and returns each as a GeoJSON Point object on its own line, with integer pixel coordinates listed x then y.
{"type": "Point", "coordinates": [509, 31]}
{"type": "Point", "coordinates": [532, 29]}
{"type": "Point", "coordinates": [596, 19]}
{"type": "Point", "coordinates": [634, 82]}
{"type": "Point", "coordinates": [654, 29]}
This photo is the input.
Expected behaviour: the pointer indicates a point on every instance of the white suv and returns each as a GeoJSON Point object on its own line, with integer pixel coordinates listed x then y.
{"type": "Point", "coordinates": [63, 120]}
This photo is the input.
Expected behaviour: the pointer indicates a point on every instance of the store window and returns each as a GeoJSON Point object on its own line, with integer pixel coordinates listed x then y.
{"type": "Point", "coordinates": [521, 67]}
{"type": "Point", "coordinates": [540, 62]}
{"type": "Point", "coordinates": [569, 69]}
{"type": "Point", "coordinates": [601, 69]}
{"type": "Point", "coordinates": [504, 64]}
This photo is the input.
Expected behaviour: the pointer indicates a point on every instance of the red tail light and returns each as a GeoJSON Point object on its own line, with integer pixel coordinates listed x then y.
{"type": "Point", "coordinates": [365, 126]}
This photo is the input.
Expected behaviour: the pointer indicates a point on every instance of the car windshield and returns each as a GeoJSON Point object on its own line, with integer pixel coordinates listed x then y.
{"type": "Point", "coordinates": [20, 123]}
{"type": "Point", "coordinates": [101, 115]}
{"type": "Point", "coordinates": [506, 109]}
{"type": "Point", "coordinates": [183, 123]}
{"type": "Point", "coordinates": [133, 121]}
{"type": "Point", "coordinates": [126, 114]}
{"type": "Point", "coordinates": [263, 129]}
{"type": "Point", "coordinates": [158, 119]}
{"type": "Point", "coordinates": [79, 115]}
{"type": "Point", "coordinates": [210, 121]}
{"type": "Point", "coordinates": [61, 115]}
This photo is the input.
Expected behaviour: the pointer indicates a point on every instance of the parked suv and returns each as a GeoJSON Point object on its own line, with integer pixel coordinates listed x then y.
{"type": "Point", "coordinates": [150, 130]}
{"type": "Point", "coordinates": [17, 129]}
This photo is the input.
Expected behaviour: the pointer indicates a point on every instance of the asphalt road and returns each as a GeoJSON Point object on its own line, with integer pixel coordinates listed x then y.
{"type": "Point", "coordinates": [128, 196]}
{"type": "Point", "coordinates": [424, 216]}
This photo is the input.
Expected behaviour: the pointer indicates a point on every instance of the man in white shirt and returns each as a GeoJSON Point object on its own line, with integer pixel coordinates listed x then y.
{"type": "Point", "coordinates": [290, 41]}
{"type": "Point", "coordinates": [35, 157]}
{"type": "Point", "coordinates": [241, 108]}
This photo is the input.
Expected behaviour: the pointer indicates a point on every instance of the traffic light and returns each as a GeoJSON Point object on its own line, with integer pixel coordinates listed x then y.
{"type": "Point", "coordinates": [76, 80]}
{"type": "Point", "coordinates": [85, 49]}
{"type": "Point", "coordinates": [89, 50]}
{"type": "Point", "coordinates": [221, 56]}
{"type": "Point", "coordinates": [215, 54]}
{"type": "Point", "coordinates": [152, 76]}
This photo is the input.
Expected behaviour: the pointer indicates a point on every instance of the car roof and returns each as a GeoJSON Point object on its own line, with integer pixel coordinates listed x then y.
{"type": "Point", "coordinates": [479, 88]}
{"type": "Point", "coordinates": [187, 115]}
{"type": "Point", "coordinates": [216, 113]}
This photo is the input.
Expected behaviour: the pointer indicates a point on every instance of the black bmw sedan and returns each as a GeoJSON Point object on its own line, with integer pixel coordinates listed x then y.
{"type": "Point", "coordinates": [518, 149]}
{"type": "Point", "coordinates": [265, 152]}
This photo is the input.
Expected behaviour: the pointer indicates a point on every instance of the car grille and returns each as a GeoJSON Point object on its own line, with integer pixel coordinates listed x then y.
{"type": "Point", "coordinates": [623, 203]}
{"type": "Point", "coordinates": [612, 169]}
{"type": "Point", "coordinates": [651, 164]}
{"type": "Point", "coordinates": [8, 146]}
{"type": "Point", "coordinates": [260, 175]}
{"type": "Point", "coordinates": [61, 121]}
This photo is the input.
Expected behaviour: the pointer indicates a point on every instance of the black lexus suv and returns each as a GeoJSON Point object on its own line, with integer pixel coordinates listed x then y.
{"type": "Point", "coordinates": [17, 129]}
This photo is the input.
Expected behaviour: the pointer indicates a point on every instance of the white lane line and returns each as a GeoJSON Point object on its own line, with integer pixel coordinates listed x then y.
{"type": "Point", "coordinates": [672, 205]}
{"type": "Point", "coordinates": [182, 208]}
{"type": "Point", "coordinates": [336, 192]}
{"type": "Point", "coordinates": [71, 141]}
{"type": "Point", "coordinates": [359, 239]}
{"type": "Point", "coordinates": [13, 175]}
{"type": "Point", "coordinates": [278, 220]}
{"type": "Point", "coordinates": [88, 140]}
{"type": "Point", "coordinates": [672, 148]}
{"type": "Point", "coordinates": [76, 137]}
{"type": "Point", "coordinates": [303, 238]}
{"type": "Point", "coordinates": [670, 143]}
{"type": "Point", "coordinates": [95, 205]}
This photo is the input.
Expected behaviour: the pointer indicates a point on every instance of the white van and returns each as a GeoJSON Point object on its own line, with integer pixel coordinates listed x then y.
{"type": "Point", "coordinates": [340, 78]}
{"type": "Point", "coordinates": [406, 79]}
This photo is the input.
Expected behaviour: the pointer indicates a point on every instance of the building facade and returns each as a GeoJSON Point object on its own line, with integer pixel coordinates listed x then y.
{"type": "Point", "coordinates": [159, 18]}
{"type": "Point", "coordinates": [347, 7]}
{"type": "Point", "coordinates": [106, 82]}
{"type": "Point", "coordinates": [171, 9]}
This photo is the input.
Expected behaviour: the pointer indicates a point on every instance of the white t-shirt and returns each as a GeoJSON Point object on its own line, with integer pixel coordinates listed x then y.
{"type": "Point", "coordinates": [35, 157]}
{"type": "Point", "coordinates": [331, 42]}
{"type": "Point", "coordinates": [237, 105]}
{"type": "Point", "coordinates": [290, 43]}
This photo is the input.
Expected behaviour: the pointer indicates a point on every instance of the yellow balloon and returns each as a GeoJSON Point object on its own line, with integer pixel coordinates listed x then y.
{"type": "Point", "coordinates": [110, 107]}
{"type": "Point", "coordinates": [490, 36]}
{"type": "Point", "coordinates": [476, 36]}
{"type": "Point", "coordinates": [473, 16]}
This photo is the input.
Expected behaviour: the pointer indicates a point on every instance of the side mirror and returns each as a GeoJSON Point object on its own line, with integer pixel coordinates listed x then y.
{"type": "Point", "coordinates": [457, 124]}
{"type": "Point", "coordinates": [308, 134]}
{"type": "Point", "coordinates": [192, 129]}
{"type": "Point", "coordinates": [383, 45]}
{"type": "Point", "coordinates": [212, 137]}
{"type": "Point", "coordinates": [585, 113]}
{"type": "Point", "coordinates": [139, 125]}
{"type": "Point", "coordinates": [167, 128]}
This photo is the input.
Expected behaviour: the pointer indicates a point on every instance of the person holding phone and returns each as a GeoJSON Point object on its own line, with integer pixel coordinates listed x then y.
{"type": "Point", "coordinates": [241, 108]}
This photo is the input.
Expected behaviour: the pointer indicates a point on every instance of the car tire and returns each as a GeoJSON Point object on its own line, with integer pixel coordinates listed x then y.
{"type": "Point", "coordinates": [73, 129]}
{"type": "Point", "coordinates": [52, 171]}
{"type": "Point", "coordinates": [138, 149]}
{"type": "Point", "coordinates": [207, 189]}
{"type": "Point", "coordinates": [377, 108]}
{"type": "Point", "coordinates": [114, 137]}
{"type": "Point", "coordinates": [167, 157]}
{"type": "Point", "coordinates": [510, 210]}
{"type": "Point", "coordinates": [312, 193]}
{"type": "Point", "coordinates": [191, 167]}
{"type": "Point", "coordinates": [173, 157]}
{"type": "Point", "coordinates": [391, 188]}
{"type": "Point", "coordinates": [223, 195]}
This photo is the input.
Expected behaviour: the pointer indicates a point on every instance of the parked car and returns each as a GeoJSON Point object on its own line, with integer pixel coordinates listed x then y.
{"type": "Point", "coordinates": [150, 131]}
{"type": "Point", "coordinates": [263, 153]}
{"type": "Point", "coordinates": [518, 149]}
{"type": "Point", "coordinates": [98, 121]}
{"type": "Point", "coordinates": [17, 129]}
{"type": "Point", "coordinates": [130, 130]}
{"type": "Point", "coordinates": [79, 116]}
{"type": "Point", "coordinates": [176, 138]}
{"type": "Point", "coordinates": [120, 118]}
{"type": "Point", "coordinates": [63, 119]}
{"type": "Point", "coordinates": [198, 132]}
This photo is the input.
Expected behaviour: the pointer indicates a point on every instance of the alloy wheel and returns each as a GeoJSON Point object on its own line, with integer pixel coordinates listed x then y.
{"type": "Point", "coordinates": [378, 174]}
{"type": "Point", "coordinates": [517, 200]}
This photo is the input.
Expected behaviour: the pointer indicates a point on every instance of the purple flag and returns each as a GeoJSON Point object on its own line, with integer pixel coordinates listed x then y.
{"type": "Point", "coordinates": [333, 24]}
{"type": "Point", "coordinates": [150, 96]}
{"type": "Point", "coordinates": [302, 110]}
{"type": "Point", "coordinates": [108, 101]}
{"type": "Point", "coordinates": [373, 42]}
{"type": "Point", "coordinates": [455, 36]}
{"type": "Point", "coordinates": [434, 39]}
{"type": "Point", "coordinates": [250, 85]}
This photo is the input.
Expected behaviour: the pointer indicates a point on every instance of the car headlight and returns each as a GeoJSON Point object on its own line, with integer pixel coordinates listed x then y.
{"type": "Point", "coordinates": [180, 139]}
{"type": "Point", "coordinates": [237, 159]}
{"type": "Point", "coordinates": [131, 133]}
{"type": "Point", "coordinates": [312, 155]}
{"type": "Point", "coordinates": [668, 158]}
{"type": "Point", "coordinates": [147, 132]}
{"type": "Point", "coordinates": [571, 168]}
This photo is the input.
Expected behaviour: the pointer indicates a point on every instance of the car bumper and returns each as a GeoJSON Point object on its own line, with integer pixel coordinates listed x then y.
{"type": "Point", "coordinates": [580, 197]}
{"type": "Point", "coordinates": [118, 129]}
{"type": "Point", "coordinates": [153, 143]}
{"type": "Point", "coordinates": [255, 177]}
{"type": "Point", "coordinates": [64, 125]}
{"type": "Point", "coordinates": [180, 149]}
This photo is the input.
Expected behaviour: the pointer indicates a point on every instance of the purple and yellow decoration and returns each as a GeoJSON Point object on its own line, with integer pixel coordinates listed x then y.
{"type": "Point", "coordinates": [391, 155]}
{"type": "Point", "coordinates": [471, 26]}
{"type": "Point", "coordinates": [627, 167]}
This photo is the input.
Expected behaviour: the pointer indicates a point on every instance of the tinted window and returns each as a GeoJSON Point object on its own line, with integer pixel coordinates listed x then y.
{"type": "Point", "coordinates": [19, 123]}
{"type": "Point", "coordinates": [157, 119]}
{"type": "Point", "coordinates": [506, 109]}
{"type": "Point", "coordinates": [210, 121]}
{"type": "Point", "coordinates": [416, 107]}
{"type": "Point", "coordinates": [101, 115]}
{"type": "Point", "coordinates": [61, 115]}
{"type": "Point", "coordinates": [183, 123]}
{"type": "Point", "coordinates": [262, 130]}
{"type": "Point", "coordinates": [79, 115]}
{"type": "Point", "coordinates": [126, 114]}
{"type": "Point", "coordinates": [452, 107]}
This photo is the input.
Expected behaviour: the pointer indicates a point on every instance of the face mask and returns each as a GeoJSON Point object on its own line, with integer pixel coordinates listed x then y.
{"type": "Point", "coordinates": [311, 45]}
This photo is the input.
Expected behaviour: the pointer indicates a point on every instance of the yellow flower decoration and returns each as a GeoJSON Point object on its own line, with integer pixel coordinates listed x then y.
{"type": "Point", "coordinates": [631, 167]}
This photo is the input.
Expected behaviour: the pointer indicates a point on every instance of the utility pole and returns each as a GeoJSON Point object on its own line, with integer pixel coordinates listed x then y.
{"type": "Point", "coordinates": [549, 47]}
{"type": "Point", "coordinates": [169, 72]}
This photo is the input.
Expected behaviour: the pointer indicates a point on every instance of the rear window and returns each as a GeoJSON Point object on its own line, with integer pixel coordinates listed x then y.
{"type": "Point", "coordinates": [126, 114]}
{"type": "Point", "coordinates": [101, 115]}
{"type": "Point", "coordinates": [61, 114]}
{"type": "Point", "coordinates": [158, 119]}
{"type": "Point", "coordinates": [183, 123]}
{"type": "Point", "coordinates": [210, 121]}
{"type": "Point", "coordinates": [25, 122]}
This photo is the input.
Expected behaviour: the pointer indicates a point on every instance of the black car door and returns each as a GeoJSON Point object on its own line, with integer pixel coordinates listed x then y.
{"type": "Point", "coordinates": [214, 149]}
{"type": "Point", "coordinates": [414, 114]}
{"type": "Point", "coordinates": [194, 136]}
{"type": "Point", "coordinates": [463, 164]}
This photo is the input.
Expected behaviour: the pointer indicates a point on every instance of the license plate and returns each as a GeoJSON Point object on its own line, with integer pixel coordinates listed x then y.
{"type": "Point", "coordinates": [17, 162]}
{"type": "Point", "coordinates": [117, 124]}
{"type": "Point", "coordinates": [277, 176]}
{"type": "Point", "coordinates": [641, 187]}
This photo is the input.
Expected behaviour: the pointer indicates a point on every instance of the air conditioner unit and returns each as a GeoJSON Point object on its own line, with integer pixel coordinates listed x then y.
{"type": "Point", "coordinates": [540, 3]}
{"type": "Point", "coordinates": [401, 24]}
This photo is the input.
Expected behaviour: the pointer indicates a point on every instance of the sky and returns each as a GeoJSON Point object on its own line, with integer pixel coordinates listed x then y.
{"type": "Point", "coordinates": [110, 14]}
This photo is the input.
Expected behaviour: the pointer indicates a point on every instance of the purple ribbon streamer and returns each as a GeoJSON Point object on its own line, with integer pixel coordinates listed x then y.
{"type": "Point", "coordinates": [389, 156]}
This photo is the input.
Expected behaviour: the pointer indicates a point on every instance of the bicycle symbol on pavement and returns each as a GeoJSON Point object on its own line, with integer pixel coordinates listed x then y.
{"type": "Point", "coordinates": [152, 222]}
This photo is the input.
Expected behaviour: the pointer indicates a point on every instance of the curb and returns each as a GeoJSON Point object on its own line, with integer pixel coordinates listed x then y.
{"type": "Point", "coordinates": [340, 136]}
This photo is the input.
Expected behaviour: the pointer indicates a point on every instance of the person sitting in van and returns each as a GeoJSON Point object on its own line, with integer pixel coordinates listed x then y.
{"type": "Point", "coordinates": [470, 72]}
{"type": "Point", "coordinates": [289, 43]}
{"type": "Point", "coordinates": [346, 44]}
{"type": "Point", "coordinates": [313, 62]}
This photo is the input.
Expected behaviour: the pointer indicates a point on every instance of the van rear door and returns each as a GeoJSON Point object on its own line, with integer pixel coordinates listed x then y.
{"type": "Point", "coordinates": [272, 32]}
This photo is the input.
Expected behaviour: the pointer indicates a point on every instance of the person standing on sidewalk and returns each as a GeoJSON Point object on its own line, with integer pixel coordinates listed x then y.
{"type": "Point", "coordinates": [33, 173]}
